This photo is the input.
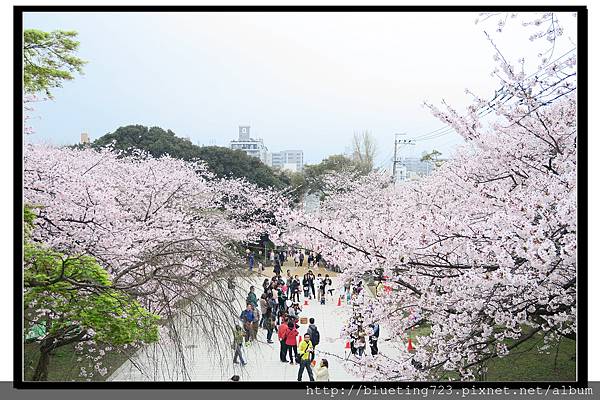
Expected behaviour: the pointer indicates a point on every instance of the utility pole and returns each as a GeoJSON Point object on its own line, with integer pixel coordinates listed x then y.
{"type": "Point", "coordinates": [396, 160]}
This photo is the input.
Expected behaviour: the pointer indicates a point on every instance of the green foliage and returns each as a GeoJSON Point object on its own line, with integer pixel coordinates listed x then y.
{"type": "Point", "coordinates": [48, 59]}
{"type": "Point", "coordinates": [79, 295]}
{"type": "Point", "coordinates": [314, 174]}
{"type": "Point", "coordinates": [223, 162]}
{"type": "Point", "coordinates": [432, 157]}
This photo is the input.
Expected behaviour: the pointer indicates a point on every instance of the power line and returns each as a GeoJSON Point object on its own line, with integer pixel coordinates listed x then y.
{"type": "Point", "coordinates": [444, 130]}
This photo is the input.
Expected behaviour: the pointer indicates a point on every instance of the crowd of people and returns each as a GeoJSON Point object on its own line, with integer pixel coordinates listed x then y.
{"type": "Point", "coordinates": [358, 337]}
{"type": "Point", "coordinates": [276, 309]}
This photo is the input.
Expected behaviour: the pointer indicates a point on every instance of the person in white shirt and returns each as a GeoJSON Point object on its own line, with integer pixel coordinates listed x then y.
{"type": "Point", "coordinates": [322, 371]}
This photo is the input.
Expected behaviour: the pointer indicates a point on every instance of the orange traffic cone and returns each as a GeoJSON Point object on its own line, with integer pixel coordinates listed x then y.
{"type": "Point", "coordinates": [410, 345]}
{"type": "Point", "coordinates": [347, 344]}
{"type": "Point", "coordinates": [339, 301]}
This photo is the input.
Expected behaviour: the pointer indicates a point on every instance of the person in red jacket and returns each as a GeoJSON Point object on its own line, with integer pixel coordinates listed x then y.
{"type": "Point", "coordinates": [282, 332]}
{"type": "Point", "coordinates": [291, 341]}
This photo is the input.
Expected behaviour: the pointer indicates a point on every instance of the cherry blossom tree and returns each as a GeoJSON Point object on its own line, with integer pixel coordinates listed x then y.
{"type": "Point", "coordinates": [165, 231]}
{"type": "Point", "coordinates": [484, 250]}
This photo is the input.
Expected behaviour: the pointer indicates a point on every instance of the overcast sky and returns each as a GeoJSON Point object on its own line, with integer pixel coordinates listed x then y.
{"type": "Point", "coordinates": [301, 80]}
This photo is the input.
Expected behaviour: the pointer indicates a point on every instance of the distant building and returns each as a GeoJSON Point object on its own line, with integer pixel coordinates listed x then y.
{"type": "Point", "coordinates": [85, 138]}
{"type": "Point", "coordinates": [413, 168]}
{"type": "Point", "coordinates": [292, 160]}
{"type": "Point", "coordinates": [252, 147]}
{"type": "Point", "coordinates": [414, 164]}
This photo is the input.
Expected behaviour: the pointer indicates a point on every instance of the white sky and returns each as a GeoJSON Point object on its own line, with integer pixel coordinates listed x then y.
{"type": "Point", "coordinates": [301, 80]}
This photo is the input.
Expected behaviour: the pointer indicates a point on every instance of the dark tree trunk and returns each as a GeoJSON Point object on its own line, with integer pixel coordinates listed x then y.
{"type": "Point", "coordinates": [46, 347]}
{"type": "Point", "coordinates": [41, 370]}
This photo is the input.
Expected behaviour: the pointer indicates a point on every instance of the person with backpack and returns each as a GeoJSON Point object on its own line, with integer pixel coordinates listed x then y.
{"type": "Point", "coordinates": [305, 350]}
{"type": "Point", "coordinates": [290, 341]}
{"type": "Point", "coordinates": [315, 336]}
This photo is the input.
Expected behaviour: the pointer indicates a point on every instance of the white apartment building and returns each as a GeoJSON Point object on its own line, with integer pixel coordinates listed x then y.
{"type": "Point", "coordinates": [252, 147]}
{"type": "Point", "coordinates": [292, 160]}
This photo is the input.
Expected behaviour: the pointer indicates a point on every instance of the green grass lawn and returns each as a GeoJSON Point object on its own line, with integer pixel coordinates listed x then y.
{"type": "Point", "coordinates": [526, 363]}
{"type": "Point", "coordinates": [64, 365]}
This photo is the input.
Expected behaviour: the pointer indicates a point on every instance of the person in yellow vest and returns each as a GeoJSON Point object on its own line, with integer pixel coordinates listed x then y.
{"type": "Point", "coordinates": [305, 348]}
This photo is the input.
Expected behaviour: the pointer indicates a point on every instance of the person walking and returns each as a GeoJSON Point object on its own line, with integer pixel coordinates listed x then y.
{"type": "Point", "coordinates": [251, 298]}
{"type": "Point", "coordinates": [296, 258]}
{"type": "Point", "coordinates": [247, 316]}
{"type": "Point", "coordinates": [277, 267]}
{"type": "Point", "coordinates": [301, 257]}
{"type": "Point", "coordinates": [318, 259]}
{"type": "Point", "coordinates": [263, 309]}
{"type": "Point", "coordinates": [315, 336]}
{"type": "Point", "coordinates": [251, 261]}
{"type": "Point", "coordinates": [295, 289]}
{"type": "Point", "coordinates": [305, 348]}
{"type": "Point", "coordinates": [281, 257]}
{"type": "Point", "coordinates": [347, 293]}
{"type": "Point", "coordinates": [255, 321]}
{"type": "Point", "coordinates": [272, 256]}
{"type": "Point", "coordinates": [282, 334]}
{"type": "Point", "coordinates": [311, 283]}
{"type": "Point", "coordinates": [310, 260]}
{"type": "Point", "coordinates": [322, 370]}
{"type": "Point", "coordinates": [374, 338]}
{"type": "Point", "coordinates": [269, 325]}
{"type": "Point", "coordinates": [238, 341]}
{"type": "Point", "coordinates": [305, 285]}
{"type": "Point", "coordinates": [329, 285]}
{"type": "Point", "coordinates": [288, 282]}
{"type": "Point", "coordinates": [318, 284]}
{"type": "Point", "coordinates": [360, 344]}
{"type": "Point", "coordinates": [290, 341]}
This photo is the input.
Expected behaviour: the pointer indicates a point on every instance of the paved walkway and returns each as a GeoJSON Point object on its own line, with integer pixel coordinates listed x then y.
{"type": "Point", "coordinates": [199, 360]}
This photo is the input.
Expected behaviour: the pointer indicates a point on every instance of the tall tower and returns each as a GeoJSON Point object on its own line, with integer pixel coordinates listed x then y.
{"type": "Point", "coordinates": [244, 133]}
{"type": "Point", "coordinates": [85, 138]}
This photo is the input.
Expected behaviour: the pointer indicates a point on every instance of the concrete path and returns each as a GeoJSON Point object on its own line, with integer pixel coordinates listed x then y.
{"type": "Point", "coordinates": [199, 360]}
